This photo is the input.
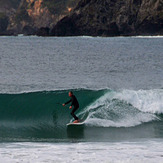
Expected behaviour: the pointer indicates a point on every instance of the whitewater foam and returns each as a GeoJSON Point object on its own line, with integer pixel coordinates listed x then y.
{"type": "Point", "coordinates": [39, 111]}
{"type": "Point", "coordinates": [157, 36]}
{"type": "Point", "coordinates": [127, 152]}
{"type": "Point", "coordinates": [145, 100]}
{"type": "Point", "coordinates": [125, 108]}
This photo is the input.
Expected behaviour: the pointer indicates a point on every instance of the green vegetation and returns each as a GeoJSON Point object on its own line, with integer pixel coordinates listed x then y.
{"type": "Point", "coordinates": [10, 3]}
{"type": "Point", "coordinates": [2, 15]}
{"type": "Point", "coordinates": [59, 6]}
{"type": "Point", "coordinates": [30, 5]}
{"type": "Point", "coordinates": [55, 6]}
{"type": "Point", "coordinates": [22, 14]}
{"type": "Point", "coordinates": [72, 3]}
{"type": "Point", "coordinates": [3, 22]}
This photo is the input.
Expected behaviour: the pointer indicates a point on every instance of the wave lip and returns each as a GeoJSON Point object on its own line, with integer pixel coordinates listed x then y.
{"type": "Point", "coordinates": [145, 100]}
{"type": "Point", "coordinates": [125, 108]}
{"type": "Point", "coordinates": [39, 112]}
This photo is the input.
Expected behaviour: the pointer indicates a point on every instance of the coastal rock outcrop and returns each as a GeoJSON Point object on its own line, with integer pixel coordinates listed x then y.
{"type": "Point", "coordinates": [3, 24]}
{"type": "Point", "coordinates": [81, 17]}
{"type": "Point", "coordinates": [112, 18]}
{"type": "Point", "coordinates": [33, 17]}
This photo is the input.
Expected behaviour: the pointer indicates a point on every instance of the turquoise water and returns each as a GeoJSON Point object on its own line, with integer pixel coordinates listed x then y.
{"type": "Point", "coordinates": [118, 82]}
{"type": "Point", "coordinates": [40, 116]}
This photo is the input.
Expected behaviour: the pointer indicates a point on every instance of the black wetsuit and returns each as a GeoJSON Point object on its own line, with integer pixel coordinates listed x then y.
{"type": "Point", "coordinates": [74, 102]}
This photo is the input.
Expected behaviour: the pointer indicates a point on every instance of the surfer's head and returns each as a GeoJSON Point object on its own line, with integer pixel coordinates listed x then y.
{"type": "Point", "coordinates": [70, 93]}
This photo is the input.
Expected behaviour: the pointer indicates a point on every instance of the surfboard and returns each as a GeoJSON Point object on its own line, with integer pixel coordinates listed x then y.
{"type": "Point", "coordinates": [75, 124]}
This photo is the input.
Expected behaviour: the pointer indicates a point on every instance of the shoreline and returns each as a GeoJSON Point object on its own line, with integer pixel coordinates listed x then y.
{"type": "Point", "coordinates": [85, 36]}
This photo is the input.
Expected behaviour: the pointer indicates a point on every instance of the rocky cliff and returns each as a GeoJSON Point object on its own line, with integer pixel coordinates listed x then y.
{"type": "Point", "coordinates": [33, 16]}
{"type": "Point", "coordinates": [81, 17]}
{"type": "Point", "coordinates": [113, 18]}
{"type": "Point", "coordinates": [7, 11]}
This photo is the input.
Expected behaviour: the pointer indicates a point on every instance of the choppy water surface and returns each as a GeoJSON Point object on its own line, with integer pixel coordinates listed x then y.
{"type": "Point", "coordinates": [32, 63]}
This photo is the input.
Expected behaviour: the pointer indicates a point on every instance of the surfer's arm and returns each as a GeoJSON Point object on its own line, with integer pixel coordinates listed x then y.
{"type": "Point", "coordinates": [68, 102]}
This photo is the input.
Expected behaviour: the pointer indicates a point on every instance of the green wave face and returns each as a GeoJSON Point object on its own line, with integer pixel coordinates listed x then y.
{"type": "Point", "coordinates": [40, 115]}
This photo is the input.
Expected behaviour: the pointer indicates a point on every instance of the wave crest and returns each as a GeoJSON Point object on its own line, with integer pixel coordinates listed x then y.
{"type": "Point", "coordinates": [125, 108]}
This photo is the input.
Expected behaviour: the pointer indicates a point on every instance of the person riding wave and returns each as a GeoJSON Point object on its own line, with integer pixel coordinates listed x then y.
{"type": "Point", "coordinates": [75, 103]}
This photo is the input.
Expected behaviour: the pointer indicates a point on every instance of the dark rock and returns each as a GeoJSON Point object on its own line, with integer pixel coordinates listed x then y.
{"type": "Point", "coordinates": [66, 27]}
{"type": "Point", "coordinates": [112, 18]}
{"type": "Point", "coordinates": [90, 17]}
{"type": "Point", "coordinates": [3, 24]}
{"type": "Point", "coordinates": [30, 17]}
{"type": "Point", "coordinates": [28, 30]}
{"type": "Point", "coordinates": [43, 31]}
{"type": "Point", "coordinates": [148, 27]}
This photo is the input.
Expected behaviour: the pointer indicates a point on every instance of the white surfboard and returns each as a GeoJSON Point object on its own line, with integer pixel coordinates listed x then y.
{"type": "Point", "coordinates": [75, 124]}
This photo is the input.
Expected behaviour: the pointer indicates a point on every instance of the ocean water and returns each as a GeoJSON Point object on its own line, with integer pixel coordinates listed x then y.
{"type": "Point", "coordinates": [118, 82]}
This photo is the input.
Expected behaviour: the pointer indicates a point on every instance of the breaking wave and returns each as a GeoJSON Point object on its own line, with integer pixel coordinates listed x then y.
{"type": "Point", "coordinates": [42, 111]}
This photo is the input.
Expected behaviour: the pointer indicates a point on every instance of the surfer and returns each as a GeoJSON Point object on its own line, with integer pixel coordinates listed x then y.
{"type": "Point", "coordinates": [74, 102]}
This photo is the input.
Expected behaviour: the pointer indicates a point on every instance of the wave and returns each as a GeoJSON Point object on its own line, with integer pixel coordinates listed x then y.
{"type": "Point", "coordinates": [125, 108]}
{"type": "Point", "coordinates": [156, 36]}
{"type": "Point", "coordinates": [101, 108]}
{"type": "Point", "coordinates": [45, 107]}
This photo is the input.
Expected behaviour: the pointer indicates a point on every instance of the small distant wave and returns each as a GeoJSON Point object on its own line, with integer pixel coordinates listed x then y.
{"type": "Point", "coordinates": [159, 36]}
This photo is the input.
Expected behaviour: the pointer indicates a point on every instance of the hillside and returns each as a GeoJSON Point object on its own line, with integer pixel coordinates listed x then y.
{"type": "Point", "coordinates": [113, 18]}
{"type": "Point", "coordinates": [8, 4]}
{"type": "Point", "coordinates": [34, 16]}
{"type": "Point", "coordinates": [7, 11]}
{"type": "Point", "coordinates": [81, 17]}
